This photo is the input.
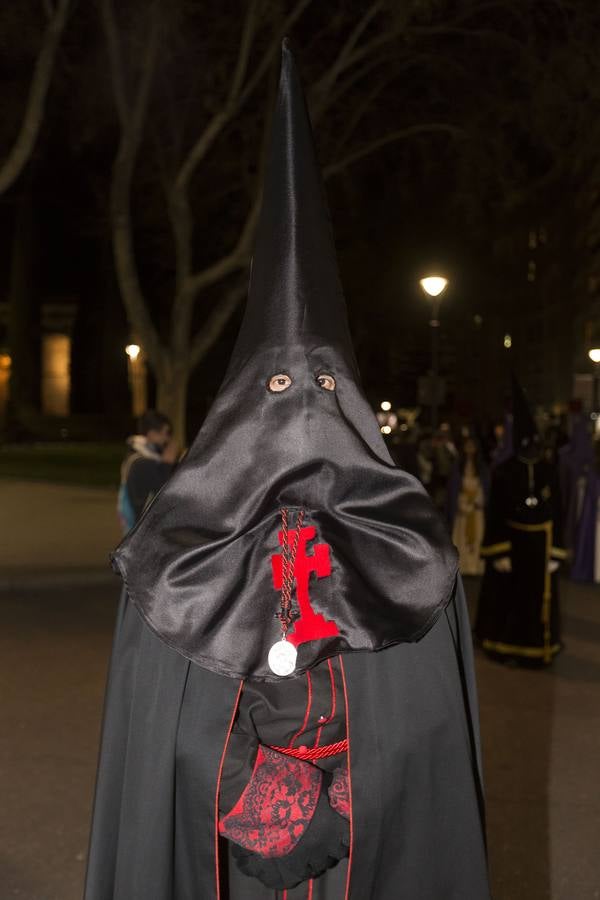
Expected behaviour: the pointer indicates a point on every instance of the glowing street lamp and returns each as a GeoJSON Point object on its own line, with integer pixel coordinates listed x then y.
{"type": "Point", "coordinates": [133, 351]}
{"type": "Point", "coordinates": [594, 355]}
{"type": "Point", "coordinates": [434, 286]}
{"type": "Point", "coordinates": [137, 379]}
{"type": "Point", "coordinates": [386, 405]}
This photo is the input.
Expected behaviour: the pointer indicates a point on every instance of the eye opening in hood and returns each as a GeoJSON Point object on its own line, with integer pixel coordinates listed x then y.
{"type": "Point", "coordinates": [279, 383]}
{"type": "Point", "coordinates": [328, 379]}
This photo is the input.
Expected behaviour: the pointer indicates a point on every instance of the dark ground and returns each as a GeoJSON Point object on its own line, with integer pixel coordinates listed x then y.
{"type": "Point", "coordinates": [541, 733]}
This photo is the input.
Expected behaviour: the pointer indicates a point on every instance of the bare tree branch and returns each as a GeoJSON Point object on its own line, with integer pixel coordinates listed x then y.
{"type": "Point", "coordinates": [360, 111]}
{"type": "Point", "coordinates": [220, 119]}
{"type": "Point", "coordinates": [115, 59]}
{"type": "Point", "coordinates": [240, 256]}
{"type": "Point", "coordinates": [216, 322]}
{"type": "Point", "coordinates": [485, 34]}
{"type": "Point", "coordinates": [235, 102]}
{"type": "Point", "coordinates": [22, 149]}
{"type": "Point", "coordinates": [400, 135]}
{"type": "Point", "coordinates": [236, 259]}
{"type": "Point", "coordinates": [326, 82]}
{"type": "Point", "coordinates": [367, 49]}
{"type": "Point", "coordinates": [319, 106]}
{"type": "Point", "coordinates": [273, 49]}
{"type": "Point", "coordinates": [131, 134]}
{"type": "Point", "coordinates": [178, 200]}
{"type": "Point", "coordinates": [349, 60]}
{"type": "Point", "coordinates": [239, 72]}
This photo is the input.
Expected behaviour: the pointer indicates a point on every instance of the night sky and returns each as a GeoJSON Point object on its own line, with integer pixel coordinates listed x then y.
{"type": "Point", "coordinates": [512, 91]}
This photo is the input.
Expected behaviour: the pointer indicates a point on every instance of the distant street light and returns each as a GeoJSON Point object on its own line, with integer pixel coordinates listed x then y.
{"type": "Point", "coordinates": [594, 355]}
{"type": "Point", "coordinates": [137, 379]}
{"type": "Point", "coordinates": [434, 286]}
{"type": "Point", "coordinates": [133, 351]}
{"type": "Point", "coordinates": [386, 405]}
{"type": "Point", "coordinates": [507, 341]}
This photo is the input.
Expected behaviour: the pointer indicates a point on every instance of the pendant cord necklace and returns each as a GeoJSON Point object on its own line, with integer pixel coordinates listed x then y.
{"type": "Point", "coordinates": [289, 561]}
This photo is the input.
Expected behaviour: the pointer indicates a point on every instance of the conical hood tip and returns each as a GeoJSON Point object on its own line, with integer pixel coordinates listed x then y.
{"type": "Point", "coordinates": [295, 293]}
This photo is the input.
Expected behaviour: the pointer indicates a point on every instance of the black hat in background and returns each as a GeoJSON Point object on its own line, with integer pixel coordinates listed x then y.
{"type": "Point", "coordinates": [525, 431]}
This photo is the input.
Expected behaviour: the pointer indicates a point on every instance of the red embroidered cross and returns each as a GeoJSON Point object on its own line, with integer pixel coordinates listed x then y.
{"type": "Point", "coordinates": [310, 626]}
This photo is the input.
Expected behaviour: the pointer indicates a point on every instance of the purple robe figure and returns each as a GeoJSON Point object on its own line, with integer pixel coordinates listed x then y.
{"type": "Point", "coordinates": [586, 549]}
{"type": "Point", "coordinates": [505, 447]}
{"type": "Point", "coordinates": [575, 460]}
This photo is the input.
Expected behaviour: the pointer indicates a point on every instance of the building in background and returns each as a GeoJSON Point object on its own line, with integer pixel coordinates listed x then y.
{"type": "Point", "coordinates": [54, 339]}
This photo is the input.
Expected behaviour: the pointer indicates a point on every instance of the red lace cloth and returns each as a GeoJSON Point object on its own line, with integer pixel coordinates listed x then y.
{"type": "Point", "coordinates": [339, 793]}
{"type": "Point", "coordinates": [276, 806]}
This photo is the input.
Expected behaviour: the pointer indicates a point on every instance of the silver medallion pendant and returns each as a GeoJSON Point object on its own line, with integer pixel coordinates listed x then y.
{"type": "Point", "coordinates": [282, 658]}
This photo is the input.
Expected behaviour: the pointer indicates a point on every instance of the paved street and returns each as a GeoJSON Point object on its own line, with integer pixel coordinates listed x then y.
{"type": "Point", "coordinates": [55, 532]}
{"type": "Point", "coordinates": [541, 741]}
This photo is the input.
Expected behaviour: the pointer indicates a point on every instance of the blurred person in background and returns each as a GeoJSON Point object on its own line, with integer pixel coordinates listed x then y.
{"type": "Point", "coordinates": [518, 617]}
{"type": "Point", "coordinates": [468, 487]}
{"type": "Point", "coordinates": [575, 464]}
{"type": "Point", "coordinates": [586, 540]}
{"type": "Point", "coordinates": [443, 458]}
{"type": "Point", "coordinates": [149, 463]}
{"type": "Point", "coordinates": [404, 450]}
{"type": "Point", "coordinates": [425, 459]}
{"type": "Point", "coordinates": [502, 448]}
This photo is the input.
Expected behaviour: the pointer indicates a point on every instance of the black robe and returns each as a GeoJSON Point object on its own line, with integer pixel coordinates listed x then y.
{"type": "Point", "coordinates": [518, 616]}
{"type": "Point", "coordinates": [417, 827]}
{"type": "Point", "coordinates": [368, 586]}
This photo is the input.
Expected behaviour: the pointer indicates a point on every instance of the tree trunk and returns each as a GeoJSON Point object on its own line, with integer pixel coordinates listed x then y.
{"type": "Point", "coordinates": [23, 320]}
{"type": "Point", "coordinates": [171, 398]}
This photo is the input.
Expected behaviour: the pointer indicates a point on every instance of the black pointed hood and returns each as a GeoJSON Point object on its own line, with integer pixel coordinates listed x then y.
{"type": "Point", "coordinates": [295, 293]}
{"type": "Point", "coordinates": [525, 431]}
{"type": "Point", "coordinates": [202, 564]}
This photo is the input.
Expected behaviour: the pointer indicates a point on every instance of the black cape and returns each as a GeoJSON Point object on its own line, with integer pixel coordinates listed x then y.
{"type": "Point", "coordinates": [201, 608]}
{"type": "Point", "coordinates": [418, 830]}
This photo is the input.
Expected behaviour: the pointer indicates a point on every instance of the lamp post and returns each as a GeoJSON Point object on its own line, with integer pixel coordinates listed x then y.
{"type": "Point", "coordinates": [137, 379]}
{"type": "Point", "coordinates": [594, 355]}
{"type": "Point", "coordinates": [434, 286]}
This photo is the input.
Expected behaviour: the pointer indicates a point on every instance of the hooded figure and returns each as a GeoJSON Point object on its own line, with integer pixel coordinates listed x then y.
{"type": "Point", "coordinates": [518, 613]}
{"type": "Point", "coordinates": [291, 703]}
{"type": "Point", "coordinates": [504, 448]}
{"type": "Point", "coordinates": [576, 469]}
{"type": "Point", "coordinates": [584, 508]}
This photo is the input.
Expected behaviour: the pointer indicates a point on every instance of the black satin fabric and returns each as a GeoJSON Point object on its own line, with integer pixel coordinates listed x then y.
{"type": "Point", "coordinates": [198, 564]}
{"type": "Point", "coordinates": [414, 762]}
{"type": "Point", "coordinates": [295, 287]}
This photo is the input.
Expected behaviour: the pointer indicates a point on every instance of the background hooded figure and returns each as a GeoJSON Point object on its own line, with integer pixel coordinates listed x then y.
{"type": "Point", "coordinates": [518, 616]}
{"type": "Point", "coordinates": [344, 764]}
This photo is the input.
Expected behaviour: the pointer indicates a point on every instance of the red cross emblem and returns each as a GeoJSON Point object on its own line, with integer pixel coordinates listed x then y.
{"type": "Point", "coordinates": [310, 626]}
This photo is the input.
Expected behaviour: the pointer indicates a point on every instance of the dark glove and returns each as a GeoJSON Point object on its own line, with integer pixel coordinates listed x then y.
{"type": "Point", "coordinates": [325, 841]}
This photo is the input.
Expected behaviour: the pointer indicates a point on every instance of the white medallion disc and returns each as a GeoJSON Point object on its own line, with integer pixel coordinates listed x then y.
{"type": "Point", "coordinates": [282, 658]}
